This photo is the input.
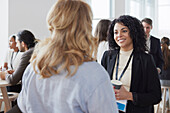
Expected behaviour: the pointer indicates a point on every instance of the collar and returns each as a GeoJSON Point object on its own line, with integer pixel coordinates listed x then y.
{"type": "Point", "coordinates": [148, 38]}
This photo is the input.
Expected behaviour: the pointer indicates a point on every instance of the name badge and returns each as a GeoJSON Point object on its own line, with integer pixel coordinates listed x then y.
{"type": "Point", "coordinates": [121, 105]}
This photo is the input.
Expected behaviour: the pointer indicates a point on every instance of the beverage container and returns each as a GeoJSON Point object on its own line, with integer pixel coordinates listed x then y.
{"type": "Point", "coordinates": [116, 83]}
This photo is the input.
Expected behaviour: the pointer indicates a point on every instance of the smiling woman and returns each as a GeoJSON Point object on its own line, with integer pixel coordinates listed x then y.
{"type": "Point", "coordinates": [122, 38]}
{"type": "Point", "coordinates": [127, 62]}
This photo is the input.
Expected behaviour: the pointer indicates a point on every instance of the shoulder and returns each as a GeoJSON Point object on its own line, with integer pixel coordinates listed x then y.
{"type": "Point", "coordinates": [91, 73]}
{"type": "Point", "coordinates": [147, 59]}
{"type": "Point", "coordinates": [154, 38]}
{"type": "Point", "coordinates": [144, 56]}
{"type": "Point", "coordinates": [92, 69]}
{"type": "Point", "coordinates": [90, 76]}
{"type": "Point", "coordinates": [103, 44]}
{"type": "Point", "coordinates": [108, 55]}
{"type": "Point", "coordinates": [29, 69]}
{"type": "Point", "coordinates": [110, 52]}
{"type": "Point", "coordinates": [28, 53]}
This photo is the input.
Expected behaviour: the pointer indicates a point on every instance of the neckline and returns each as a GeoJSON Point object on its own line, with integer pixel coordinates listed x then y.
{"type": "Point", "coordinates": [126, 52]}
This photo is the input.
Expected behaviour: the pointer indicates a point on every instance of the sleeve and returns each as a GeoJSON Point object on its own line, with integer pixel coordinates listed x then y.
{"type": "Point", "coordinates": [18, 73]}
{"type": "Point", "coordinates": [153, 88]}
{"type": "Point", "coordinates": [102, 100]}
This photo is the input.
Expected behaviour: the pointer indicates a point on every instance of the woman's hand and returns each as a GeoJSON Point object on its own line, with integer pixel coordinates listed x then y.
{"type": "Point", "coordinates": [159, 70]}
{"type": "Point", "coordinates": [2, 75]}
{"type": "Point", "coordinates": [10, 71]}
{"type": "Point", "coordinates": [123, 94]}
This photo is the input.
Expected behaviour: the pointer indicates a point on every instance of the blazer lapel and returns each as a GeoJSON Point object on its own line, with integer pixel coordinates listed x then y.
{"type": "Point", "coordinates": [151, 45]}
{"type": "Point", "coordinates": [135, 71]}
{"type": "Point", "coordinates": [112, 63]}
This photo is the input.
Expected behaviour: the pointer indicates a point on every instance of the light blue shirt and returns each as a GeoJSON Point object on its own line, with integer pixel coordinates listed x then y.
{"type": "Point", "coordinates": [88, 91]}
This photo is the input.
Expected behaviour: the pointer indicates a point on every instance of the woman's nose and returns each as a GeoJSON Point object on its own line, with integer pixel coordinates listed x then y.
{"type": "Point", "coordinates": [119, 34]}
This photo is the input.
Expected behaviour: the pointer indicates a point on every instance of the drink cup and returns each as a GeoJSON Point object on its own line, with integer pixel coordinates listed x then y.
{"type": "Point", "coordinates": [116, 83]}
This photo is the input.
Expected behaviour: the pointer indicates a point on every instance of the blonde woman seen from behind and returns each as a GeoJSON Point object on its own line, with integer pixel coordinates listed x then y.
{"type": "Point", "coordinates": [63, 76]}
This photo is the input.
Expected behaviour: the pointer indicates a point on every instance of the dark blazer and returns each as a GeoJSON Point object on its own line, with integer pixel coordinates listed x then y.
{"type": "Point", "coordinates": [145, 84]}
{"type": "Point", "coordinates": [17, 75]}
{"type": "Point", "coordinates": [155, 51]}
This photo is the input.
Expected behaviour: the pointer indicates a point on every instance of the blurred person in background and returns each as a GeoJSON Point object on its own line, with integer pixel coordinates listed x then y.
{"type": "Point", "coordinates": [153, 44]}
{"type": "Point", "coordinates": [12, 61]}
{"type": "Point", "coordinates": [101, 34]}
{"type": "Point", "coordinates": [13, 56]}
{"type": "Point", "coordinates": [25, 43]}
{"type": "Point", "coordinates": [165, 75]}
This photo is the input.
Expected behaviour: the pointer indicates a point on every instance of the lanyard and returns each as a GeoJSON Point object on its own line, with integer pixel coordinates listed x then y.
{"type": "Point", "coordinates": [13, 59]}
{"type": "Point", "coordinates": [124, 68]}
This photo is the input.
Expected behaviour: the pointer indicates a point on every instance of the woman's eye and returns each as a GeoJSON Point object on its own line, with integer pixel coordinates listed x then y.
{"type": "Point", "coordinates": [115, 32]}
{"type": "Point", "coordinates": [124, 31]}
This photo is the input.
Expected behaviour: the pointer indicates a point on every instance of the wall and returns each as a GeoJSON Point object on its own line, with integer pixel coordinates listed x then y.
{"type": "Point", "coordinates": [31, 15]}
{"type": "Point", "coordinates": [119, 8]}
{"type": "Point", "coordinates": [3, 28]}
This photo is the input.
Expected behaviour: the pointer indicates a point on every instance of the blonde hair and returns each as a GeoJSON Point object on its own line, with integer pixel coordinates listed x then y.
{"type": "Point", "coordinates": [71, 41]}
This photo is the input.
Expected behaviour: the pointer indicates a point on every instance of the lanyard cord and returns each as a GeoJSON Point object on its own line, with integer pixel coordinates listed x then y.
{"type": "Point", "coordinates": [124, 68]}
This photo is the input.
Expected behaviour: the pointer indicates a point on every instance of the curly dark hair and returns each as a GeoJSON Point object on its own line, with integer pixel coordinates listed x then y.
{"type": "Point", "coordinates": [136, 29]}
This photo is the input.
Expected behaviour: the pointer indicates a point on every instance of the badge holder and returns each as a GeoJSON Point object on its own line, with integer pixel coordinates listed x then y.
{"type": "Point", "coordinates": [121, 105]}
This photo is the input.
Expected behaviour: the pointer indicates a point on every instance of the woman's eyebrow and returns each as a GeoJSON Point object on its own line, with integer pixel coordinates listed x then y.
{"type": "Point", "coordinates": [123, 28]}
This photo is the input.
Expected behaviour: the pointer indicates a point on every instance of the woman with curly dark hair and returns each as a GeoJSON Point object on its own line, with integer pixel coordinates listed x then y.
{"type": "Point", "coordinates": [127, 61]}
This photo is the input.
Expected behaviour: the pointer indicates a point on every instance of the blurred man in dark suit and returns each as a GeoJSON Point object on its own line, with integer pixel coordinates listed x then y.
{"type": "Point", "coordinates": [153, 44]}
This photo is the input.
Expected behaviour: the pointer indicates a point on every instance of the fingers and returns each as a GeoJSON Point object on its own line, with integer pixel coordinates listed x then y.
{"type": "Point", "coordinates": [10, 71]}
{"type": "Point", "coordinates": [116, 91]}
{"type": "Point", "coordinates": [117, 94]}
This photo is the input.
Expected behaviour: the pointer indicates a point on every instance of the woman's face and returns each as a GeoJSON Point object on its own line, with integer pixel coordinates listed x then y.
{"type": "Point", "coordinates": [12, 43]}
{"type": "Point", "coordinates": [122, 38]}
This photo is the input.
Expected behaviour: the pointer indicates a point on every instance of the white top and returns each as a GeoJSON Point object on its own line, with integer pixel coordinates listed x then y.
{"type": "Point", "coordinates": [13, 58]}
{"type": "Point", "coordinates": [103, 46]}
{"type": "Point", "coordinates": [123, 59]}
{"type": "Point", "coordinates": [148, 42]}
{"type": "Point", "coordinates": [88, 91]}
